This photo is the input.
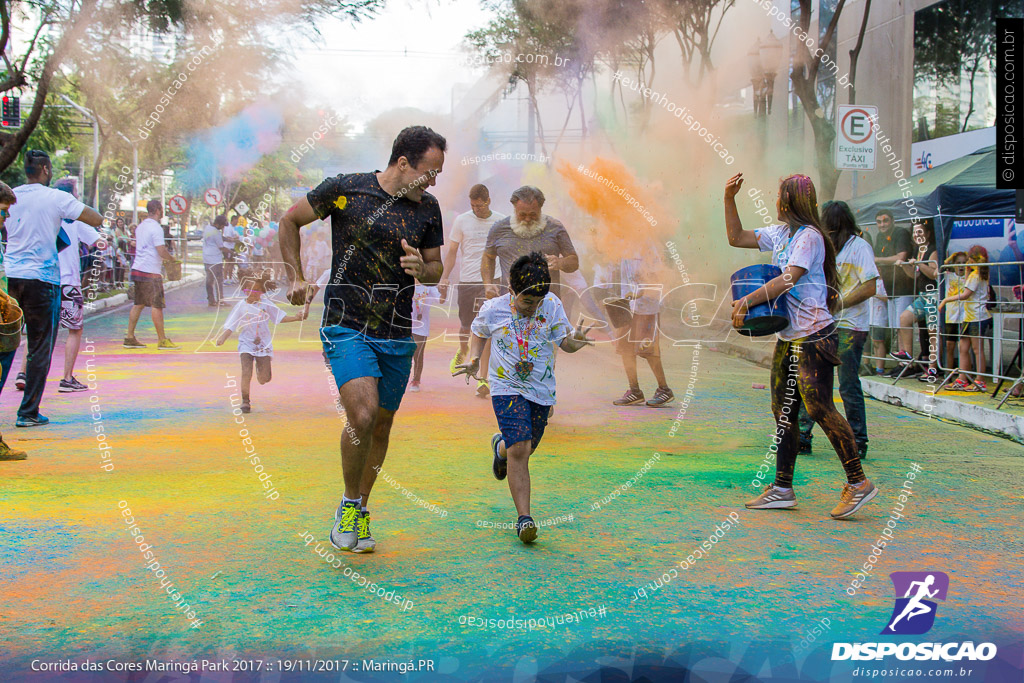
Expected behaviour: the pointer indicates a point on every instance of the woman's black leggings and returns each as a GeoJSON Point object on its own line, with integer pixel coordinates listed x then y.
{"type": "Point", "coordinates": [802, 372]}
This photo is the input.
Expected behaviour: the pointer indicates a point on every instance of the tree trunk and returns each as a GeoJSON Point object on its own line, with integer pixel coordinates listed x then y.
{"type": "Point", "coordinates": [855, 54]}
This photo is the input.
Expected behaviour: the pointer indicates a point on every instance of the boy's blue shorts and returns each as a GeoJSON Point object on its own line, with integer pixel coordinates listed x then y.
{"type": "Point", "coordinates": [353, 354]}
{"type": "Point", "coordinates": [520, 419]}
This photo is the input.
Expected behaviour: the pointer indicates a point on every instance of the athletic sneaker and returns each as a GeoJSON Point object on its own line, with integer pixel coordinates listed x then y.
{"type": "Point", "coordinates": [805, 448]}
{"type": "Point", "coordinates": [19, 382]}
{"type": "Point", "coordinates": [344, 535]}
{"type": "Point", "coordinates": [526, 529]}
{"type": "Point", "coordinates": [72, 385]}
{"type": "Point", "coordinates": [662, 396]}
{"type": "Point", "coordinates": [8, 453]}
{"type": "Point", "coordinates": [499, 465]}
{"type": "Point", "coordinates": [902, 356]}
{"type": "Point", "coordinates": [456, 361]}
{"type": "Point", "coordinates": [133, 343]}
{"type": "Point", "coordinates": [414, 387]}
{"type": "Point", "coordinates": [630, 398]}
{"type": "Point", "coordinates": [928, 375]}
{"type": "Point", "coordinates": [772, 498]}
{"type": "Point", "coordinates": [483, 389]}
{"type": "Point", "coordinates": [958, 385]}
{"type": "Point", "coordinates": [853, 499]}
{"type": "Point", "coordinates": [365, 543]}
{"type": "Point", "coordinates": [167, 345]}
{"type": "Point", "coordinates": [37, 421]}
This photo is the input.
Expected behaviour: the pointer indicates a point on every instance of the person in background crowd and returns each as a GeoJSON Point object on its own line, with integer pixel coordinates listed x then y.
{"type": "Point", "coordinates": [33, 270]}
{"type": "Point", "coordinates": [892, 245]}
{"type": "Point", "coordinates": [72, 303]}
{"type": "Point", "coordinates": [7, 197]}
{"type": "Point", "coordinates": [922, 268]}
{"type": "Point", "coordinates": [231, 237]}
{"type": "Point", "coordinates": [641, 336]}
{"type": "Point", "coordinates": [213, 260]}
{"type": "Point", "coordinates": [469, 235]}
{"type": "Point", "coordinates": [973, 299]}
{"type": "Point", "coordinates": [148, 278]}
{"type": "Point", "coordinates": [858, 276]}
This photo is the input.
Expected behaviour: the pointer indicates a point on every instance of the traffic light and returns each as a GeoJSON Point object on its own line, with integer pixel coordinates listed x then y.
{"type": "Point", "coordinates": [12, 112]}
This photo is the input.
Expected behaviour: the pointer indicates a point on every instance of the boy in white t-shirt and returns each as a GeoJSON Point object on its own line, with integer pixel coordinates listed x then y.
{"type": "Point", "coordinates": [523, 327]}
{"type": "Point", "coordinates": [251, 319]}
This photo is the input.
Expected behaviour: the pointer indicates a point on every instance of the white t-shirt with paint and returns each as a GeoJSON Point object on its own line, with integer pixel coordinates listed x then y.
{"type": "Point", "coordinates": [252, 324]}
{"type": "Point", "coordinates": [471, 234]}
{"type": "Point", "coordinates": [32, 227]}
{"type": "Point", "coordinates": [807, 301]}
{"type": "Point", "coordinates": [856, 265]}
{"type": "Point", "coordinates": [548, 326]}
{"type": "Point", "coordinates": [148, 236]}
{"type": "Point", "coordinates": [70, 259]}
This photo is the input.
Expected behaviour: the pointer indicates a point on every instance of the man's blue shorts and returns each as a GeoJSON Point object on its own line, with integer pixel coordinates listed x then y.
{"type": "Point", "coordinates": [353, 354]}
{"type": "Point", "coordinates": [520, 419]}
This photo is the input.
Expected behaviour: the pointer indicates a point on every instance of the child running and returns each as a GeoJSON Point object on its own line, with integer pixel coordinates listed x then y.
{"type": "Point", "coordinates": [250, 318]}
{"type": "Point", "coordinates": [969, 311]}
{"type": "Point", "coordinates": [423, 298]}
{"type": "Point", "coordinates": [523, 326]}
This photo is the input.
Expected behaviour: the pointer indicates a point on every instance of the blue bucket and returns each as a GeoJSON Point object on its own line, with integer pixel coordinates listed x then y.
{"type": "Point", "coordinates": [763, 319]}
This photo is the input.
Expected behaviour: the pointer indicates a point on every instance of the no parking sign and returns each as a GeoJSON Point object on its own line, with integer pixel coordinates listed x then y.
{"type": "Point", "coordinates": [855, 144]}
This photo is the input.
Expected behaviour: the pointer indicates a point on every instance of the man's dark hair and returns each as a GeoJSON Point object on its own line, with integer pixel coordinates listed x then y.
{"type": "Point", "coordinates": [234, 219]}
{"type": "Point", "coordinates": [35, 161]}
{"type": "Point", "coordinates": [221, 220]}
{"type": "Point", "coordinates": [529, 275]}
{"type": "Point", "coordinates": [154, 205]}
{"type": "Point", "coordinates": [885, 212]}
{"type": "Point", "coordinates": [413, 142]}
{"type": "Point", "coordinates": [7, 195]}
{"type": "Point", "coordinates": [66, 185]}
{"type": "Point", "coordinates": [479, 193]}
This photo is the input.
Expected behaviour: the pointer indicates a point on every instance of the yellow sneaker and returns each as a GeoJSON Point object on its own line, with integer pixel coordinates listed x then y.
{"type": "Point", "coordinates": [167, 345]}
{"type": "Point", "coordinates": [483, 389]}
{"type": "Point", "coordinates": [8, 453]}
{"type": "Point", "coordinates": [455, 361]}
{"type": "Point", "coordinates": [853, 499]}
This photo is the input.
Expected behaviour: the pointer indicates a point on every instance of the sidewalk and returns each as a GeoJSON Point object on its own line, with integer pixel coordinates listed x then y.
{"type": "Point", "coordinates": [974, 410]}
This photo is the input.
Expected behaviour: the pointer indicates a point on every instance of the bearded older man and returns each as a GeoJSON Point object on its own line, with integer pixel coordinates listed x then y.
{"type": "Point", "coordinates": [525, 231]}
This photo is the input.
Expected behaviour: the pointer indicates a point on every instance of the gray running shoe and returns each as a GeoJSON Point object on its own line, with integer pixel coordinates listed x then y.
{"type": "Point", "coordinates": [772, 498]}
{"type": "Point", "coordinates": [365, 543]}
{"type": "Point", "coordinates": [344, 535]}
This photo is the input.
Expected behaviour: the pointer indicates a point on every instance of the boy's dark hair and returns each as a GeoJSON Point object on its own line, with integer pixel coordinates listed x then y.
{"type": "Point", "coordinates": [35, 161]}
{"type": "Point", "coordinates": [262, 280]}
{"type": "Point", "coordinates": [413, 142]}
{"type": "Point", "coordinates": [7, 195]}
{"type": "Point", "coordinates": [529, 275]}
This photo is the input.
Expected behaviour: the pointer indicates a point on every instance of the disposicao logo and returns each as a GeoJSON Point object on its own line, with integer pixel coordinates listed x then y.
{"type": "Point", "coordinates": [916, 592]}
{"type": "Point", "coordinates": [914, 614]}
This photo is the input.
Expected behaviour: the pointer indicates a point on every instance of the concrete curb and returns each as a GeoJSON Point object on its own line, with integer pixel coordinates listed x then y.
{"type": "Point", "coordinates": [975, 417]}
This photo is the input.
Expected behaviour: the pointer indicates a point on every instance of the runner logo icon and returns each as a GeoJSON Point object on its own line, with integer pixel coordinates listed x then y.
{"type": "Point", "coordinates": [916, 593]}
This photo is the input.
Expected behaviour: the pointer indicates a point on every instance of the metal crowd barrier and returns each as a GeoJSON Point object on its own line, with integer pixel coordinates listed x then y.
{"type": "Point", "coordinates": [1009, 306]}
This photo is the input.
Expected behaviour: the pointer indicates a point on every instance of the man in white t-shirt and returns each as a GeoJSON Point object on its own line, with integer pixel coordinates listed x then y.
{"type": "Point", "coordinates": [33, 270]}
{"type": "Point", "coordinates": [469, 235]}
{"type": "Point", "coordinates": [213, 259]}
{"type": "Point", "coordinates": [150, 253]}
{"type": "Point", "coordinates": [72, 304]}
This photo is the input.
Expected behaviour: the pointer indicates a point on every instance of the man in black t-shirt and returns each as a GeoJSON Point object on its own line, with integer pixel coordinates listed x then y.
{"type": "Point", "coordinates": [892, 245]}
{"type": "Point", "coordinates": [385, 235]}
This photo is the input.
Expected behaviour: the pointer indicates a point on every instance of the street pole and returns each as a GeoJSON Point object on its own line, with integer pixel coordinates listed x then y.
{"type": "Point", "coordinates": [95, 144]}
